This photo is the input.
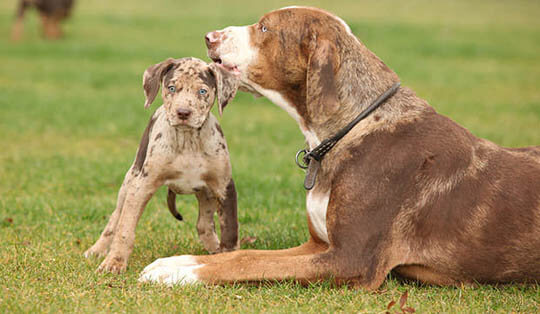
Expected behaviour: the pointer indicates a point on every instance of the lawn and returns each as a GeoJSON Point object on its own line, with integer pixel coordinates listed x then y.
{"type": "Point", "coordinates": [71, 115]}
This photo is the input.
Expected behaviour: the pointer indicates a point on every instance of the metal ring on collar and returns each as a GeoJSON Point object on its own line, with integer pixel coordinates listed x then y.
{"type": "Point", "coordinates": [300, 155]}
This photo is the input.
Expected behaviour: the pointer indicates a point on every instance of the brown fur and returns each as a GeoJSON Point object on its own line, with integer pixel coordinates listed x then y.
{"type": "Point", "coordinates": [408, 189]}
{"type": "Point", "coordinates": [52, 12]}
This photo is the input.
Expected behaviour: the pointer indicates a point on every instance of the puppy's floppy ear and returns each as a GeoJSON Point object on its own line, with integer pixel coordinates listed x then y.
{"type": "Point", "coordinates": [152, 79]}
{"type": "Point", "coordinates": [226, 85]}
{"type": "Point", "coordinates": [322, 98]}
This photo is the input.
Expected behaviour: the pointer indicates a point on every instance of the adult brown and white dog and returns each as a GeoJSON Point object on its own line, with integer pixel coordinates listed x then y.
{"type": "Point", "coordinates": [407, 189]}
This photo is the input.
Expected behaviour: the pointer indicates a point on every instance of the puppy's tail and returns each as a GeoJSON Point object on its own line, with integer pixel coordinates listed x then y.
{"type": "Point", "coordinates": [171, 203]}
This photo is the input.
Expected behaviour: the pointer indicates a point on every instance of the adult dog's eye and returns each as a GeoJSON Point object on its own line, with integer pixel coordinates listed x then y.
{"type": "Point", "coordinates": [172, 88]}
{"type": "Point", "coordinates": [264, 29]}
{"type": "Point", "coordinates": [203, 91]}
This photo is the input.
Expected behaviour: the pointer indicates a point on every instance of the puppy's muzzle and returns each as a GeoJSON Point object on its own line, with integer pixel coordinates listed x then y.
{"type": "Point", "coordinates": [183, 114]}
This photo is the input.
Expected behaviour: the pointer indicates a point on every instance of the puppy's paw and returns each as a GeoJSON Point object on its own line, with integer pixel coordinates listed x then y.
{"type": "Point", "coordinates": [113, 264]}
{"type": "Point", "coordinates": [174, 270]}
{"type": "Point", "coordinates": [212, 247]}
{"type": "Point", "coordinates": [227, 248]}
{"type": "Point", "coordinates": [95, 252]}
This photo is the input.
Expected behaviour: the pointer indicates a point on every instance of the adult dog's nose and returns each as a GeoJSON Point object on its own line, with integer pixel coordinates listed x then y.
{"type": "Point", "coordinates": [183, 113]}
{"type": "Point", "coordinates": [212, 39]}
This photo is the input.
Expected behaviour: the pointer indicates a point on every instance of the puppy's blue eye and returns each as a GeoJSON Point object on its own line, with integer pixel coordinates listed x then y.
{"type": "Point", "coordinates": [203, 91]}
{"type": "Point", "coordinates": [172, 89]}
{"type": "Point", "coordinates": [264, 29]}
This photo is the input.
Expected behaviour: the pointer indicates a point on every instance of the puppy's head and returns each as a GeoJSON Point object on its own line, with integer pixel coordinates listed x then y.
{"type": "Point", "coordinates": [189, 89]}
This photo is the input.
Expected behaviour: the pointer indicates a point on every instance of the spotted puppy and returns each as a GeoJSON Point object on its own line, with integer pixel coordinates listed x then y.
{"type": "Point", "coordinates": [182, 147]}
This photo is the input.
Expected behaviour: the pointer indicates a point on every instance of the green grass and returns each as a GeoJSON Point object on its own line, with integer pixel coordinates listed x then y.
{"type": "Point", "coordinates": [71, 114]}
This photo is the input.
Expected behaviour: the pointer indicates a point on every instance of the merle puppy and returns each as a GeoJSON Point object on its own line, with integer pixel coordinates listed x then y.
{"type": "Point", "coordinates": [182, 147]}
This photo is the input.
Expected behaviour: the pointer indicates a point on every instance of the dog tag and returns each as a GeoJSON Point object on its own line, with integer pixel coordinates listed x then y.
{"type": "Point", "coordinates": [311, 174]}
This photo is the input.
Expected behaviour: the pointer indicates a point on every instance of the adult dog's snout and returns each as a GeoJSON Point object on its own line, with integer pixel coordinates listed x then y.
{"type": "Point", "coordinates": [183, 113]}
{"type": "Point", "coordinates": [213, 39]}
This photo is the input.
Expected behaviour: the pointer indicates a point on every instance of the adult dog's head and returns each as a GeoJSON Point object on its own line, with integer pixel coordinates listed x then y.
{"type": "Point", "coordinates": [305, 60]}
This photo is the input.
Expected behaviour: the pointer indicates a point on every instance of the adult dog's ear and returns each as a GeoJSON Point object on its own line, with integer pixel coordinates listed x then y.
{"type": "Point", "coordinates": [152, 78]}
{"type": "Point", "coordinates": [226, 85]}
{"type": "Point", "coordinates": [321, 92]}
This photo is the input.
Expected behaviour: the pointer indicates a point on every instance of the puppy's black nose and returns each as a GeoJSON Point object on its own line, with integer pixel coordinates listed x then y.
{"type": "Point", "coordinates": [183, 113]}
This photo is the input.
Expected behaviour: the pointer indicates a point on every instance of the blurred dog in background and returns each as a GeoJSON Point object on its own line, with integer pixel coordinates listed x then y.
{"type": "Point", "coordinates": [51, 12]}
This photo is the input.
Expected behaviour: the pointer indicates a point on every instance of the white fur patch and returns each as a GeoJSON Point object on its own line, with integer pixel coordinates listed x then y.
{"type": "Point", "coordinates": [236, 49]}
{"type": "Point", "coordinates": [317, 205]}
{"type": "Point", "coordinates": [347, 27]}
{"type": "Point", "coordinates": [311, 138]}
{"type": "Point", "coordinates": [193, 168]}
{"type": "Point", "coordinates": [174, 270]}
{"type": "Point", "coordinates": [278, 99]}
{"type": "Point", "coordinates": [291, 7]}
{"type": "Point", "coordinates": [211, 36]}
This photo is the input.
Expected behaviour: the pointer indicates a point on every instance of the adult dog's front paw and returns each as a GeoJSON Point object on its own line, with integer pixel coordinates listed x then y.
{"type": "Point", "coordinates": [174, 270]}
{"type": "Point", "coordinates": [113, 264]}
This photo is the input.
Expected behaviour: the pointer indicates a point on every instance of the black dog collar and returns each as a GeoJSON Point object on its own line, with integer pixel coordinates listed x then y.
{"type": "Point", "coordinates": [312, 159]}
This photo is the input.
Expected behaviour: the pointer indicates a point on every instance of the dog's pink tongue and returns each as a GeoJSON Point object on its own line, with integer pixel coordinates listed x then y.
{"type": "Point", "coordinates": [232, 69]}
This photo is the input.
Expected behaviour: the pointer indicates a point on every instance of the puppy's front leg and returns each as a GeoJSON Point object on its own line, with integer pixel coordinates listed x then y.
{"type": "Point", "coordinates": [101, 247]}
{"type": "Point", "coordinates": [137, 196]}
{"type": "Point", "coordinates": [205, 223]}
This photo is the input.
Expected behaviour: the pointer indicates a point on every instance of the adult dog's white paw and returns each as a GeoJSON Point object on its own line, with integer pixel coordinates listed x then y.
{"type": "Point", "coordinates": [174, 270]}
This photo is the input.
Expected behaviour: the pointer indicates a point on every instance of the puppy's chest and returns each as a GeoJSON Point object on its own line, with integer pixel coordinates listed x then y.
{"type": "Point", "coordinates": [191, 170]}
